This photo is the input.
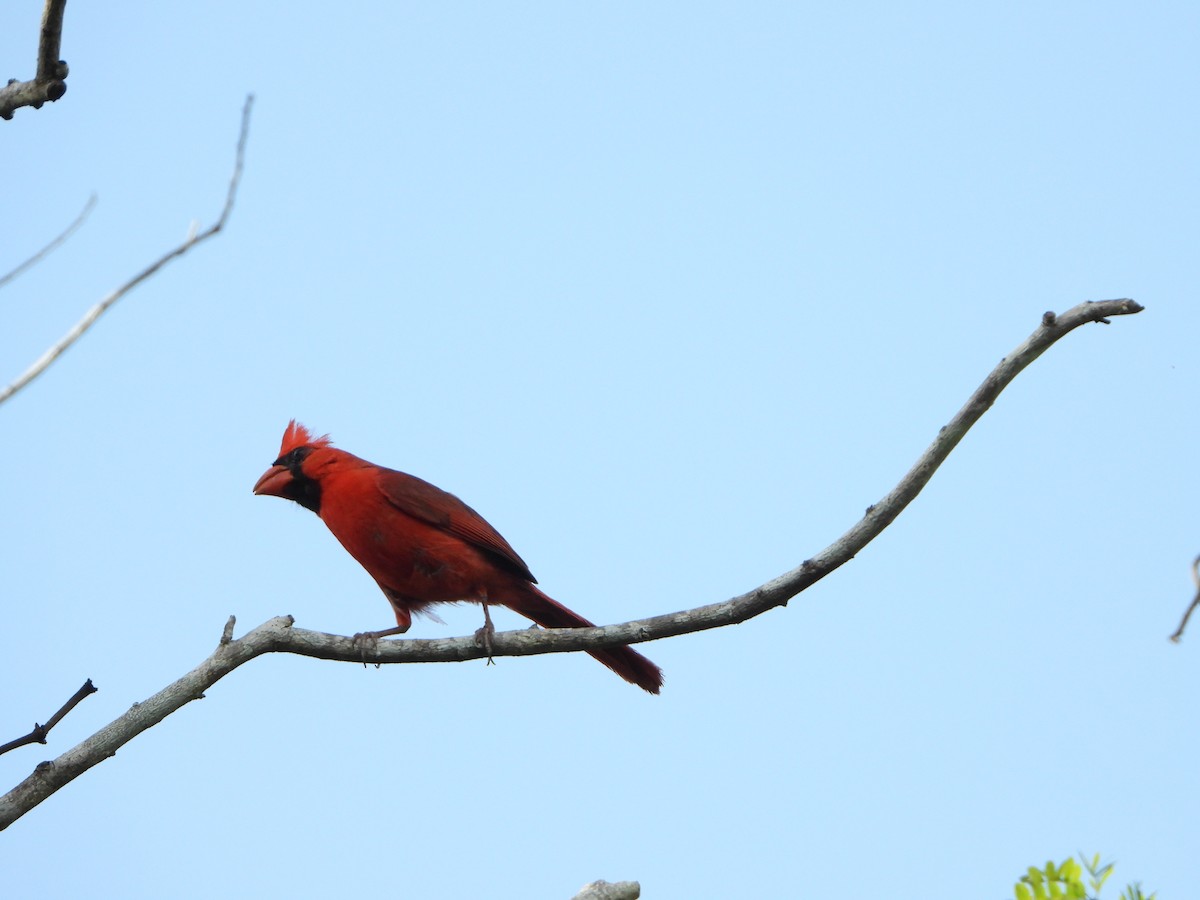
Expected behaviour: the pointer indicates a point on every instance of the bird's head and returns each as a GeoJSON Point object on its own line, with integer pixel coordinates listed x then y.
{"type": "Point", "coordinates": [295, 474]}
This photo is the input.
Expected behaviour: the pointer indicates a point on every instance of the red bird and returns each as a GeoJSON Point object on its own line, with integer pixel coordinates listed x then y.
{"type": "Point", "coordinates": [420, 544]}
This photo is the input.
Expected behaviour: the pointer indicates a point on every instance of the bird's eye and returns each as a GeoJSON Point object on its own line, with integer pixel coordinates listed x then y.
{"type": "Point", "coordinates": [293, 457]}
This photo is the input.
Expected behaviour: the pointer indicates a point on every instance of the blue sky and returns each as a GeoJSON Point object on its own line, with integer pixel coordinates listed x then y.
{"type": "Point", "coordinates": [670, 293]}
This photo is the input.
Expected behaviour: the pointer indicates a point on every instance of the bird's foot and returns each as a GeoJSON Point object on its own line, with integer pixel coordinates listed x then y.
{"type": "Point", "coordinates": [366, 641]}
{"type": "Point", "coordinates": [483, 636]}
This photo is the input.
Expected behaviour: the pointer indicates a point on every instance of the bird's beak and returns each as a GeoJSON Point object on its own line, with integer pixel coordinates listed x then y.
{"type": "Point", "coordinates": [274, 481]}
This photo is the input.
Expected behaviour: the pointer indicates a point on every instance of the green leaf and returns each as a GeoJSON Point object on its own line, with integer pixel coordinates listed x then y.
{"type": "Point", "coordinates": [1099, 874]}
{"type": "Point", "coordinates": [1071, 870]}
{"type": "Point", "coordinates": [1022, 892]}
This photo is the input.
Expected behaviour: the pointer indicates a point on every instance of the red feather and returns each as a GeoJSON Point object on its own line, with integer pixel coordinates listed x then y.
{"type": "Point", "coordinates": [421, 544]}
{"type": "Point", "coordinates": [296, 435]}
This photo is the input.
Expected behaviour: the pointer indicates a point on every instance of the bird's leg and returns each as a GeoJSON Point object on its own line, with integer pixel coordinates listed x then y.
{"type": "Point", "coordinates": [369, 640]}
{"type": "Point", "coordinates": [483, 636]}
{"type": "Point", "coordinates": [376, 635]}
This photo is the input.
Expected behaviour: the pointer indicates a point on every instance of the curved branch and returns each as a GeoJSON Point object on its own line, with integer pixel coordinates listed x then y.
{"type": "Point", "coordinates": [279, 636]}
{"type": "Point", "coordinates": [49, 83]}
{"type": "Point", "coordinates": [89, 319]}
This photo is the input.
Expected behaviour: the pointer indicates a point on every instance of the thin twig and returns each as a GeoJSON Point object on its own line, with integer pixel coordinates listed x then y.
{"type": "Point", "coordinates": [1195, 601]}
{"type": "Point", "coordinates": [38, 735]}
{"type": "Point", "coordinates": [50, 82]}
{"type": "Point", "coordinates": [43, 362]}
{"type": "Point", "coordinates": [279, 636]}
{"type": "Point", "coordinates": [53, 245]}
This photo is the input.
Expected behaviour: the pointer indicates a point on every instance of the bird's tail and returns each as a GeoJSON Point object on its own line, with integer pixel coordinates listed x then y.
{"type": "Point", "coordinates": [625, 661]}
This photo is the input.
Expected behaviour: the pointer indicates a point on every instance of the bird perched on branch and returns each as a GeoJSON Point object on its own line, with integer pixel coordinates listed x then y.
{"type": "Point", "coordinates": [420, 544]}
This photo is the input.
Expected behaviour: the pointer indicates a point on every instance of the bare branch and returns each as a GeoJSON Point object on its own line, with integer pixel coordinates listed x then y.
{"type": "Point", "coordinates": [1195, 601]}
{"type": "Point", "coordinates": [49, 83]}
{"type": "Point", "coordinates": [38, 735]}
{"type": "Point", "coordinates": [53, 245]}
{"type": "Point", "coordinates": [90, 317]}
{"type": "Point", "coordinates": [279, 636]}
{"type": "Point", "coordinates": [49, 776]}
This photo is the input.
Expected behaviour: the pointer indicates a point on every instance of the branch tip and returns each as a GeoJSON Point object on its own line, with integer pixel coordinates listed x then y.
{"type": "Point", "coordinates": [1178, 635]}
{"type": "Point", "coordinates": [54, 244]}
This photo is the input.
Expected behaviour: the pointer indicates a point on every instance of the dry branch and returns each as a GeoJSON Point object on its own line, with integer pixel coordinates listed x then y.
{"type": "Point", "coordinates": [1195, 601]}
{"type": "Point", "coordinates": [279, 636]}
{"type": "Point", "coordinates": [38, 735]}
{"type": "Point", "coordinates": [89, 319]}
{"type": "Point", "coordinates": [50, 81]}
{"type": "Point", "coordinates": [53, 245]}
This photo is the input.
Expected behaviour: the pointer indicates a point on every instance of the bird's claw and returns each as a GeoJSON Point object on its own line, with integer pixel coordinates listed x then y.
{"type": "Point", "coordinates": [483, 636]}
{"type": "Point", "coordinates": [364, 641]}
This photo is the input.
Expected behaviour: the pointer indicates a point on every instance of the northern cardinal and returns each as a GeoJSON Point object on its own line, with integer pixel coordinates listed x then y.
{"type": "Point", "coordinates": [421, 544]}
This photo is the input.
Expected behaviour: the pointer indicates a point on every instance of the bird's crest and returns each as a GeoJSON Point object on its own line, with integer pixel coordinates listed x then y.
{"type": "Point", "coordinates": [299, 436]}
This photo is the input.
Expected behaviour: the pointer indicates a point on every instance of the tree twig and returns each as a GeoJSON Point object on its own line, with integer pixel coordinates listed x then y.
{"type": "Point", "coordinates": [279, 636]}
{"type": "Point", "coordinates": [50, 81]}
{"type": "Point", "coordinates": [43, 362]}
{"type": "Point", "coordinates": [38, 735]}
{"type": "Point", "coordinates": [53, 245]}
{"type": "Point", "coordinates": [1195, 601]}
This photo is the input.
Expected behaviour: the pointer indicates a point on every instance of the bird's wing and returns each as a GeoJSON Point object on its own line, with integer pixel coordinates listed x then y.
{"type": "Point", "coordinates": [424, 501]}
